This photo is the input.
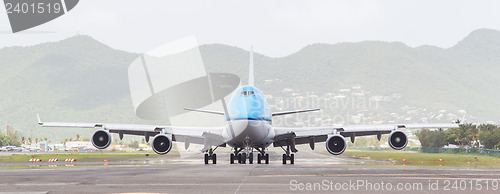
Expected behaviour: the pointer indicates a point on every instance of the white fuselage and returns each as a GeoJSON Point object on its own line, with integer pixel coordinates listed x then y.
{"type": "Point", "coordinates": [253, 133]}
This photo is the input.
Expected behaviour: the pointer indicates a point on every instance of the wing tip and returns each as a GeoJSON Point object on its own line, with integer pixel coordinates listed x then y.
{"type": "Point", "coordinates": [39, 120]}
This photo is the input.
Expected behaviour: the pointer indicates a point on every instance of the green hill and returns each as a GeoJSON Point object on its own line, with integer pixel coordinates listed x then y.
{"type": "Point", "coordinates": [81, 79]}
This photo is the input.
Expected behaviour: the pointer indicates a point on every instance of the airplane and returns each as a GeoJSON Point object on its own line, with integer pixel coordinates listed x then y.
{"type": "Point", "coordinates": [248, 127]}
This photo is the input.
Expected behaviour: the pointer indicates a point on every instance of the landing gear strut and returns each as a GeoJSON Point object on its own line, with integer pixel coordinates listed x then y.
{"type": "Point", "coordinates": [287, 155]}
{"type": "Point", "coordinates": [235, 156]}
{"type": "Point", "coordinates": [290, 157]}
{"type": "Point", "coordinates": [262, 156]}
{"type": "Point", "coordinates": [211, 156]}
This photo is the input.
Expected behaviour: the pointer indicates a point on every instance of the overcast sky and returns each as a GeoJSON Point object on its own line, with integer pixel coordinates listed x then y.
{"type": "Point", "coordinates": [274, 28]}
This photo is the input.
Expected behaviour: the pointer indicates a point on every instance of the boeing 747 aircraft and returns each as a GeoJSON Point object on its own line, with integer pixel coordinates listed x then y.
{"type": "Point", "coordinates": [248, 128]}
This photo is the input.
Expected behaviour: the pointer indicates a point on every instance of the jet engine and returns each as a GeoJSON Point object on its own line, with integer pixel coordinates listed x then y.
{"type": "Point", "coordinates": [161, 144]}
{"type": "Point", "coordinates": [398, 140]}
{"type": "Point", "coordinates": [336, 144]}
{"type": "Point", "coordinates": [101, 139]}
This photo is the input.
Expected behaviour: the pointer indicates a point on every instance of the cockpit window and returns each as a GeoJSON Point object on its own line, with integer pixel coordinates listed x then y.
{"type": "Point", "coordinates": [247, 93]}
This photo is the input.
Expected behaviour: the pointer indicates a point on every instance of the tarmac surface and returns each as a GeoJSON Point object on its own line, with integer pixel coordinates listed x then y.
{"type": "Point", "coordinates": [312, 172]}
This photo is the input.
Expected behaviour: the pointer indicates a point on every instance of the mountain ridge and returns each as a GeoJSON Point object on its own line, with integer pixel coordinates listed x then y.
{"type": "Point", "coordinates": [82, 79]}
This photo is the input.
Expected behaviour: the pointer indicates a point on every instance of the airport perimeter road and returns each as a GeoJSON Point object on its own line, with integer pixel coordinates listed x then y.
{"type": "Point", "coordinates": [314, 172]}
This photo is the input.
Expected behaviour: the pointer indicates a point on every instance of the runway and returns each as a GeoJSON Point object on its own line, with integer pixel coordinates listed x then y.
{"type": "Point", "coordinates": [313, 172]}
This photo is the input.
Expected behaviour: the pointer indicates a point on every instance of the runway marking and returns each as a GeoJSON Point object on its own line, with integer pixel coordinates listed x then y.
{"type": "Point", "coordinates": [191, 184]}
{"type": "Point", "coordinates": [43, 184]}
{"type": "Point", "coordinates": [28, 169]}
{"type": "Point", "coordinates": [448, 178]}
{"type": "Point", "coordinates": [30, 192]}
{"type": "Point", "coordinates": [245, 179]}
{"type": "Point", "coordinates": [386, 175]}
{"type": "Point", "coordinates": [242, 182]}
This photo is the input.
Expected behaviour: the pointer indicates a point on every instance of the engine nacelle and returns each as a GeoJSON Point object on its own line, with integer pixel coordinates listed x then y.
{"type": "Point", "coordinates": [398, 140]}
{"type": "Point", "coordinates": [161, 144]}
{"type": "Point", "coordinates": [101, 139]}
{"type": "Point", "coordinates": [336, 144]}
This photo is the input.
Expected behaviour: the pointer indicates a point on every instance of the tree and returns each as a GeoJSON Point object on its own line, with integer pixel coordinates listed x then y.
{"type": "Point", "coordinates": [465, 134]}
{"type": "Point", "coordinates": [10, 139]}
{"type": "Point", "coordinates": [487, 127]}
{"type": "Point", "coordinates": [431, 139]}
{"type": "Point", "coordinates": [489, 135]}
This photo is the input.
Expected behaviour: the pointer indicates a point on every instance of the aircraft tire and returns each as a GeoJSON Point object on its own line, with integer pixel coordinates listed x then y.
{"type": "Point", "coordinates": [243, 158]}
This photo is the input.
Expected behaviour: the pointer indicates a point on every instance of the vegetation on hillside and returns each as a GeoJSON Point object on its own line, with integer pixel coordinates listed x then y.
{"type": "Point", "coordinates": [82, 80]}
{"type": "Point", "coordinates": [470, 135]}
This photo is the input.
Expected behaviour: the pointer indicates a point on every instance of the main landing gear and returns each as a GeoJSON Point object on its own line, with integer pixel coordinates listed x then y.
{"type": "Point", "coordinates": [262, 156]}
{"type": "Point", "coordinates": [288, 156]}
{"type": "Point", "coordinates": [239, 156]}
{"type": "Point", "coordinates": [242, 157]}
{"type": "Point", "coordinates": [211, 156]}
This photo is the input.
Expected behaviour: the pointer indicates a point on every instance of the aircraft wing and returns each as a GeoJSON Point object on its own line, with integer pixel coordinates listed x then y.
{"type": "Point", "coordinates": [303, 135]}
{"type": "Point", "coordinates": [197, 135]}
{"type": "Point", "coordinates": [294, 111]}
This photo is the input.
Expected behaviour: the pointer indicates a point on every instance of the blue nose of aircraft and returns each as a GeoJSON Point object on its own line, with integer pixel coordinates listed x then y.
{"type": "Point", "coordinates": [248, 103]}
